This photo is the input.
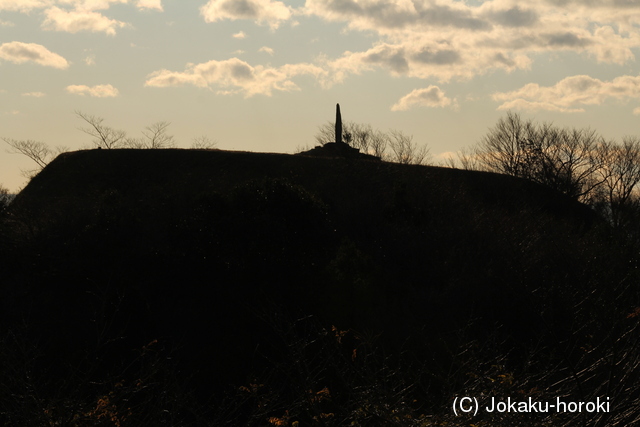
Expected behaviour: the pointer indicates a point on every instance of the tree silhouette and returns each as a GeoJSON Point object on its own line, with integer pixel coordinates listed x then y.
{"type": "Point", "coordinates": [620, 175]}
{"type": "Point", "coordinates": [103, 136]}
{"type": "Point", "coordinates": [393, 146]}
{"type": "Point", "coordinates": [37, 151]}
{"type": "Point", "coordinates": [203, 142]}
{"type": "Point", "coordinates": [564, 159]}
{"type": "Point", "coordinates": [154, 136]}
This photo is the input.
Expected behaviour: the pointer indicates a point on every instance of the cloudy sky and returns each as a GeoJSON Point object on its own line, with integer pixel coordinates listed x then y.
{"type": "Point", "coordinates": [262, 75]}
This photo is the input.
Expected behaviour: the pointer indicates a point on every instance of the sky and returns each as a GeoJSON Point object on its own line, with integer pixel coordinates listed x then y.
{"type": "Point", "coordinates": [263, 75]}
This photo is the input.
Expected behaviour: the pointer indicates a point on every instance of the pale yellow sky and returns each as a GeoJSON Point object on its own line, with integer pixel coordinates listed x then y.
{"type": "Point", "coordinates": [262, 75]}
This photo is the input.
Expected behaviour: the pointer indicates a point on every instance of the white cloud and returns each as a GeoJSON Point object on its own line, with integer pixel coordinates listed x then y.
{"type": "Point", "coordinates": [393, 15]}
{"type": "Point", "coordinates": [570, 94]}
{"type": "Point", "coordinates": [610, 47]}
{"type": "Point", "coordinates": [337, 70]}
{"type": "Point", "coordinates": [636, 111]}
{"type": "Point", "coordinates": [98, 91]}
{"type": "Point", "coordinates": [23, 5]}
{"type": "Point", "coordinates": [6, 23]}
{"type": "Point", "coordinates": [423, 59]}
{"type": "Point", "coordinates": [18, 52]}
{"type": "Point", "coordinates": [150, 4]}
{"type": "Point", "coordinates": [510, 15]}
{"type": "Point", "coordinates": [271, 12]}
{"type": "Point", "coordinates": [26, 6]}
{"type": "Point", "coordinates": [431, 96]}
{"type": "Point", "coordinates": [426, 39]}
{"type": "Point", "coordinates": [79, 20]}
{"type": "Point", "coordinates": [266, 49]}
{"type": "Point", "coordinates": [88, 5]}
{"type": "Point", "coordinates": [234, 76]}
{"type": "Point", "coordinates": [447, 39]}
{"type": "Point", "coordinates": [90, 60]}
{"type": "Point", "coordinates": [525, 105]}
{"type": "Point", "coordinates": [35, 94]}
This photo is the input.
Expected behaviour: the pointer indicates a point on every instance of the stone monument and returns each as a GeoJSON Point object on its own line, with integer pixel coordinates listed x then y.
{"type": "Point", "coordinates": [338, 125]}
{"type": "Point", "coordinates": [339, 148]}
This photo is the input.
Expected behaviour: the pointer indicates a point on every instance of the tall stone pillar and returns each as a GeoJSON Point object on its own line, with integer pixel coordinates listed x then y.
{"type": "Point", "coordinates": [338, 125]}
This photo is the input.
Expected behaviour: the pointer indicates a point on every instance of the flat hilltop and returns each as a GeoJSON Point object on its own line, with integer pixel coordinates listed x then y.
{"type": "Point", "coordinates": [85, 176]}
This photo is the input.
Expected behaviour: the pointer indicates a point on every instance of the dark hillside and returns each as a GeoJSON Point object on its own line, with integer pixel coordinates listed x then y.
{"type": "Point", "coordinates": [240, 264]}
{"type": "Point", "coordinates": [84, 176]}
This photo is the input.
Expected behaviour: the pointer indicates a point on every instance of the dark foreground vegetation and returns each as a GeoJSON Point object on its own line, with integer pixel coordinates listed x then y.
{"type": "Point", "coordinates": [209, 288]}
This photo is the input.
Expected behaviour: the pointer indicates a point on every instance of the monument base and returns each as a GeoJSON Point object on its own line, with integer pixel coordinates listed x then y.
{"type": "Point", "coordinates": [337, 149]}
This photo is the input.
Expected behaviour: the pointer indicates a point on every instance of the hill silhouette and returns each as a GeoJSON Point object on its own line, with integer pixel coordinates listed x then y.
{"type": "Point", "coordinates": [86, 176]}
{"type": "Point", "coordinates": [224, 257]}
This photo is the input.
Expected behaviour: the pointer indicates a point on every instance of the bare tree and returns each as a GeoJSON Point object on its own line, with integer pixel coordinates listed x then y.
{"type": "Point", "coordinates": [504, 148]}
{"type": "Point", "coordinates": [372, 141]}
{"type": "Point", "coordinates": [355, 134]}
{"type": "Point", "coordinates": [326, 133]}
{"type": "Point", "coordinates": [568, 160]}
{"type": "Point", "coordinates": [368, 140]}
{"type": "Point", "coordinates": [203, 143]}
{"type": "Point", "coordinates": [351, 132]}
{"type": "Point", "coordinates": [104, 136]}
{"type": "Point", "coordinates": [156, 136]}
{"type": "Point", "coordinates": [464, 159]}
{"type": "Point", "coordinates": [405, 151]}
{"type": "Point", "coordinates": [620, 175]}
{"type": "Point", "coordinates": [563, 159]}
{"type": "Point", "coordinates": [360, 136]}
{"type": "Point", "coordinates": [5, 198]}
{"type": "Point", "coordinates": [378, 142]}
{"type": "Point", "coordinates": [37, 151]}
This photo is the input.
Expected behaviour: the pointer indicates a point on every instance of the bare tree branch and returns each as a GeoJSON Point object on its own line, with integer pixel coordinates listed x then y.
{"type": "Point", "coordinates": [563, 159]}
{"type": "Point", "coordinates": [37, 151]}
{"type": "Point", "coordinates": [620, 175]}
{"type": "Point", "coordinates": [203, 143]}
{"type": "Point", "coordinates": [375, 142]}
{"type": "Point", "coordinates": [504, 148]}
{"type": "Point", "coordinates": [103, 136]}
{"type": "Point", "coordinates": [157, 137]}
{"type": "Point", "coordinates": [406, 151]}
{"type": "Point", "coordinates": [5, 198]}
